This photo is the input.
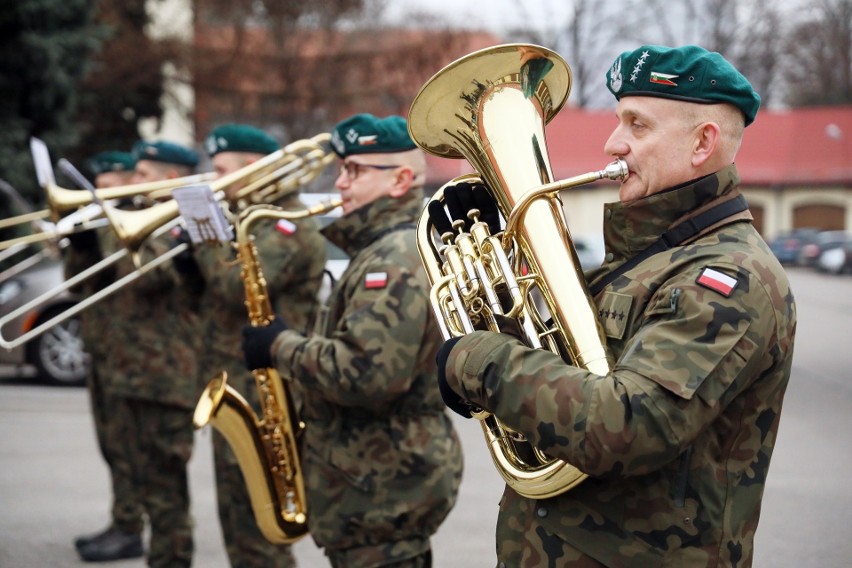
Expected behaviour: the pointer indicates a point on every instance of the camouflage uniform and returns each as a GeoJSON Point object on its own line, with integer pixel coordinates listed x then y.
{"type": "Point", "coordinates": [156, 382]}
{"type": "Point", "coordinates": [677, 438]}
{"type": "Point", "coordinates": [381, 458]}
{"type": "Point", "coordinates": [292, 257]}
{"type": "Point", "coordinates": [111, 436]}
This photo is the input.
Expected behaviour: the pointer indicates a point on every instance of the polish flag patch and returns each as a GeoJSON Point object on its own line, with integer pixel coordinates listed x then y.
{"type": "Point", "coordinates": [285, 226]}
{"type": "Point", "coordinates": [375, 280]}
{"type": "Point", "coordinates": [663, 79]}
{"type": "Point", "coordinates": [717, 281]}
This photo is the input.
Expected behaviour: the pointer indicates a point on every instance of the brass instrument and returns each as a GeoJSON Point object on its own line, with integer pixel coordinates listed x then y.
{"type": "Point", "coordinates": [491, 107]}
{"type": "Point", "coordinates": [267, 449]}
{"type": "Point", "coordinates": [271, 177]}
{"type": "Point", "coordinates": [84, 204]}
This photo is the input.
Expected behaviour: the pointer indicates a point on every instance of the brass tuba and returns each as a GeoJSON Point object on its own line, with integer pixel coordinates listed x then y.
{"type": "Point", "coordinates": [266, 448]}
{"type": "Point", "coordinates": [491, 107]}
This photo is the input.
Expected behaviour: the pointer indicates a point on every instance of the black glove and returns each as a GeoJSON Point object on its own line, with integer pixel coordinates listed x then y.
{"type": "Point", "coordinates": [511, 326]}
{"type": "Point", "coordinates": [184, 261]}
{"type": "Point", "coordinates": [257, 343]}
{"type": "Point", "coordinates": [453, 401]}
{"type": "Point", "coordinates": [83, 240]}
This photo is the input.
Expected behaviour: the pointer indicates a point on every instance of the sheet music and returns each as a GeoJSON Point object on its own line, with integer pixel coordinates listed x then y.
{"type": "Point", "coordinates": [202, 215]}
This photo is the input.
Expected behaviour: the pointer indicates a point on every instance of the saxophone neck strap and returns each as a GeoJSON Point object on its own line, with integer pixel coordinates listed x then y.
{"type": "Point", "coordinates": [674, 237]}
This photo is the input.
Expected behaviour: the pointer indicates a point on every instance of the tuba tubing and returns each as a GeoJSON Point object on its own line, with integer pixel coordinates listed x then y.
{"type": "Point", "coordinates": [491, 107]}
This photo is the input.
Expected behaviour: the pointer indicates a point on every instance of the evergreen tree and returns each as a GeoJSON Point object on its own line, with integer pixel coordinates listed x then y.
{"type": "Point", "coordinates": [44, 46]}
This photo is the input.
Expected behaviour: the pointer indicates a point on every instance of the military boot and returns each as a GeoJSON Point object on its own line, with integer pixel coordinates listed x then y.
{"type": "Point", "coordinates": [111, 544]}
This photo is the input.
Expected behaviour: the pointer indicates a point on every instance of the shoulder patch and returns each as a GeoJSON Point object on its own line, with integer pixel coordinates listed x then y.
{"type": "Point", "coordinates": [717, 281]}
{"type": "Point", "coordinates": [614, 312]}
{"type": "Point", "coordinates": [375, 280]}
{"type": "Point", "coordinates": [285, 226]}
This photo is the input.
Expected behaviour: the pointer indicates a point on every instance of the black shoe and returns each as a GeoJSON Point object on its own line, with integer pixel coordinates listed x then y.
{"type": "Point", "coordinates": [87, 538]}
{"type": "Point", "coordinates": [112, 544]}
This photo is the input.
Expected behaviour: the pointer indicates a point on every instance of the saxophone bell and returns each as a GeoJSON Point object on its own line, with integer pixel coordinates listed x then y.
{"type": "Point", "coordinates": [279, 511]}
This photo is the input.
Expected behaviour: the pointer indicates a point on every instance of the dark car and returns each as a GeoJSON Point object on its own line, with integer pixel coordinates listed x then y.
{"type": "Point", "coordinates": [836, 259]}
{"type": "Point", "coordinates": [810, 253]}
{"type": "Point", "coordinates": [788, 245]}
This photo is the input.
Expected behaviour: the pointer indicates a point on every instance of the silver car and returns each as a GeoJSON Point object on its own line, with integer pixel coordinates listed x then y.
{"type": "Point", "coordinates": [56, 356]}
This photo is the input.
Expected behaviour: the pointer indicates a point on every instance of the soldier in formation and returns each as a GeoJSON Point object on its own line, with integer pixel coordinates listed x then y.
{"type": "Point", "coordinates": [292, 258]}
{"type": "Point", "coordinates": [699, 320]}
{"type": "Point", "coordinates": [123, 536]}
{"type": "Point", "coordinates": [381, 459]}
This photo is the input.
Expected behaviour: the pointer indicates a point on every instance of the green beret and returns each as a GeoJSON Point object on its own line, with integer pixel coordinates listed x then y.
{"type": "Point", "coordinates": [688, 73]}
{"type": "Point", "coordinates": [104, 162]}
{"type": "Point", "coordinates": [167, 152]}
{"type": "Point", "coordinates": [367, 134]}
{"type": "Point", "coordinates": [239, 138]}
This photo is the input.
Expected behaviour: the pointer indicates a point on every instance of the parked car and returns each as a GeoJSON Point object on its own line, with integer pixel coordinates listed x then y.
{"type": "Point", "coordinates": [788, 245]}
{"type": "Point", "coordinates": [836, 259]}
{"type": "Point", "coordinates": [810, 253]}
{"type": "Point", "coordinates": [56, 356]}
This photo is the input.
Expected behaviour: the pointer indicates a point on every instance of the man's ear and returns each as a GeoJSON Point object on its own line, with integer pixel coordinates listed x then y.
{"type": "Point", "coordinates": [705, 143]}
{"type": "Point", "coordinates": [403, 178]}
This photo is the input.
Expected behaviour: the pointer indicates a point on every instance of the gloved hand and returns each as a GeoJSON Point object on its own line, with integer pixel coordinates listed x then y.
{"type": "Point", "coordinates": [453, 401]}
{"type": "Point", "coordinates": [83, 240]}
{"type": "Point", "coordinates": [511, 326]}
{"type": "Point", "coordinates": [257, 343]}
{"type": "Point", "coordinates": [184, 261]}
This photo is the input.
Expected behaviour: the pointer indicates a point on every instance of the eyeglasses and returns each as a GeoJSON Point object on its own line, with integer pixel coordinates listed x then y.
{"type": "Point", "coordinates": [353, 169]}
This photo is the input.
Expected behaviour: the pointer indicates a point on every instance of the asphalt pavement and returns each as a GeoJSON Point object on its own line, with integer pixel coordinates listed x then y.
{"type": "Point", "coordinates": [53, 483]}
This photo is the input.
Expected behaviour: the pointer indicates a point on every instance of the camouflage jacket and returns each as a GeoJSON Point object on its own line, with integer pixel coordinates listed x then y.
{"type": "Point", "coordinates": [292, 259]}
{"type": "Point", "coordinates": [382, 460]}
{"type": "Point", "coordinates": [155, 321]}
{"type": "Point", "coordinates": [96, 317]}
{"type": "Point", "coordinates": [678, 436]}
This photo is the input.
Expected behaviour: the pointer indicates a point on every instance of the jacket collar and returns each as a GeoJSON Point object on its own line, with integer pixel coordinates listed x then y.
{"type": "Point", "coordinates": [630, 227]}
{"type": "Point", "coordinates": [355, 231]}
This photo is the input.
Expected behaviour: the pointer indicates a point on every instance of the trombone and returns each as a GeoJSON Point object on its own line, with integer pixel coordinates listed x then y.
{"type": "Point", "coordinates": [61, 200]}
{"type": "Point", "coordinates": [270, 178]}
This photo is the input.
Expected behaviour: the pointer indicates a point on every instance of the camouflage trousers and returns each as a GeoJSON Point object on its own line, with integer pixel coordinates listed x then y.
{"type": "Point", "coordinates": [246, 546]}
{"type": "Point", "coordinates": [160, 444]}
{"type": "Point", "coordinates": [523, 543]}
{"type": "Point", "coordinates": [378, 557]}
{"type": "Point", "coordinates": [112, 436]}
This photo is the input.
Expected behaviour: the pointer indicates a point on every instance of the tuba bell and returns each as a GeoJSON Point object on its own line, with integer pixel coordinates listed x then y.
{"type": "Point", "coordinates": [491, 107]}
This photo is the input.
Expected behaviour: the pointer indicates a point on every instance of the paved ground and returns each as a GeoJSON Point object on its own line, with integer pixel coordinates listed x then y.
{"type": "Point", "coordinates": [53, 482]}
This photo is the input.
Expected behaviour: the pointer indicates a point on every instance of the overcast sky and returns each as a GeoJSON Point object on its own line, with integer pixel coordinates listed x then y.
{"type": "Point", "coordinates": [490, 14]}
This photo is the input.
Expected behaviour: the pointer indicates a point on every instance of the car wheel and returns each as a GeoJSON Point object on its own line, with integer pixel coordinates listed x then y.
{"type": "Point", "coordinates": [58, 354]}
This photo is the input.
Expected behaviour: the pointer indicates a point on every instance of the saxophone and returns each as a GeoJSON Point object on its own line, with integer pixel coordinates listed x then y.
{"type": "Point", "coordinates": [266, 448]}
{"type": "Point", "coordinates": [491, 107]}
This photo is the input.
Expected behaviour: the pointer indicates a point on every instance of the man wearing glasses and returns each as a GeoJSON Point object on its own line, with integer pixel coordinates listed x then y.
{"type": "Point", "coordinates": [382, 461]}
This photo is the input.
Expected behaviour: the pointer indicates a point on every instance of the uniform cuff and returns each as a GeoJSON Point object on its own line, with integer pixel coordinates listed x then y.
{"type": "Point", "coordinates": [467, 362]}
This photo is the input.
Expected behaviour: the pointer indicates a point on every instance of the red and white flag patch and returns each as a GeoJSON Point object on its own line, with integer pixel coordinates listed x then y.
{"type": "Point", "coordinates": [717, 281]}
{"type": "Point", "coordinates": [375, 280]}
{"type": "Point", "coordinates": [285, 226]}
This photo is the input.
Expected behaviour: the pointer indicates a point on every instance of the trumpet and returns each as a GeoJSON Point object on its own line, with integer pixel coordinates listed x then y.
{"type": "Point", "coordinates": [272, 177]}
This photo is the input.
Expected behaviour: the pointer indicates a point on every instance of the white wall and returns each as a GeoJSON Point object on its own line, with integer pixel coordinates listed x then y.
{"type": "Point", "coordinates": [174, 19]}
